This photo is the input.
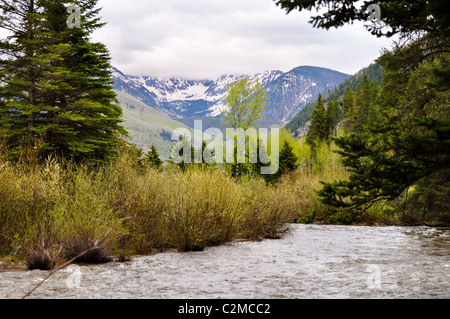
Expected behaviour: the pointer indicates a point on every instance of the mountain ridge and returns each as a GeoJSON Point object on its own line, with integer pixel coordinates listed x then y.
{"type": "Point", "coordinates": [299, 125]}
{"type": "Point", "coordinates": [183, 99]}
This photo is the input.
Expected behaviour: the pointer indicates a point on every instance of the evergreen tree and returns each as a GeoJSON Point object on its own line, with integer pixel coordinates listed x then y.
{"type": "Point", "coordinates": [186, 153]}
{"type": "Point", "coordinates": [190, 157]}
{"type": "Point", "coordinates": [199, 154]}
{"type": "Point", "coordinates": [374, 114]}
{"type": "Point", "coordinates": [387, 162]}
{"type": "Point", "coordinates": [398, 16]}
{"type": "Point", "coordinates": [261, 148]}
{"type": "Point", "coordinates": [360, 108]}
{"type": "Point", "coordinates": [408, 144]}
{"type": "Point", "coordinates": [288, 162]}
{"type": "Point", "coordinates": [58, 85]}
{"type": "Point", "coordinates": [319, 128]}
{"type": "Point", "coordinates": [348, 109]}
{"type": "Point", "coordinates": [363, 105]}
{"type": "Point", "coordinates": [334, 115]}
{"type": "Point", "coordinates": [153, 159]}
{"type": "Point", "coordinates": [19, 70]}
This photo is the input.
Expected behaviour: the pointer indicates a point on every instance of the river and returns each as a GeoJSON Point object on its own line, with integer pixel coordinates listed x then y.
{"type": "Point", "coordinates": [309, 262]}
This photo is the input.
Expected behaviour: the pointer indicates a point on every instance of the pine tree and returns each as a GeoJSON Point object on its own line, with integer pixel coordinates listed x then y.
{"type": "Point", "coordinates": [387, 162]}
{"type": "Point", "coordinates": [19, 70]}
{"type": "Point", "coordinates": [319, 128]}
{"type": "Point", "coordinates": [398, 16]}
{"type": "Point", "coordinates": [288, 162]}
{"type": "Point", "coordinates": [408, 144]}
{"type": "Point", "coordinates": [360, 108]}
{"type": "Point", "coordinates": [374, 114]}
{"type": "Point", "coordinates": [334, 115]}
{"type": "Point", "coordinates": [153, 159]}
{"type": "Point", "coordinates": [58, 85]}
{"type": "Point", "coordinates": [363, 105]}
{"type": "Point", "coordinates": [348, 108]}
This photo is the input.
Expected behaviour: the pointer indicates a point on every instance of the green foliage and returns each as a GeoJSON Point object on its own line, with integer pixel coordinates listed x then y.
{"type": "Point", "coordinates": [288, 163]}
{"type": "Point", "coordinates": [402, 149]}
{"type": "Point", "coordinates": [166, 135]}
{"type": "Point", "coordinates": [319, 128]}
{"type": "Point", "coordinates": [152, 158]}
{"type": "Point", "coordinates": [245, 104]}
{"type": "Point", "coordinates": [373, 72]}
{"type": "Point", "coordinates": [288, 160]}
{"type": "Point", "coordinates": [58, 85]}
{"type": "Point", "coordinates": [401, 128]}
{"type": "Point", "coordinates": [136, 209]}
{"type": "Point", "coordinates": [361, 108]}
{"type": "Point", "coordinates": [430, 199]}
{"type": "Point", "coordinates": [398, 16]}
{"type": "Point", "coordinates": [348, 108]}
{"type": "Point", "coordinates": [334, 115]}
{"type": "Point", "coordinates": [301, 119]}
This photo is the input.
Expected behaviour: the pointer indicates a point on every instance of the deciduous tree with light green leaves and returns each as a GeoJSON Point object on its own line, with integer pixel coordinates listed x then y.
{"type": "Point", "coordinates": [245, 102]}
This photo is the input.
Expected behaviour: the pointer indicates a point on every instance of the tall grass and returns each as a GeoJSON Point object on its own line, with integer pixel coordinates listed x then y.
{"type": "Point", "coordinates": [59, 210]}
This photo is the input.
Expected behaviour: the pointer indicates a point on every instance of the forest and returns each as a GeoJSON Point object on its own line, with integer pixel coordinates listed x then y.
{"type": "Point", "coordinates": [73, 188]}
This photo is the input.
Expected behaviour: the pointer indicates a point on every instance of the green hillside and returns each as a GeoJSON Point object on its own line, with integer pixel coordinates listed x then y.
{"type": "Point", "coordinates": [146, 125]}
{"type": "Point", "coordinates": [373, 72]}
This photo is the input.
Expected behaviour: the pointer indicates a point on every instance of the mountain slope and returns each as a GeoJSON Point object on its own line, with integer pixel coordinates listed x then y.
{"type": "Point", "coordinates": [298, 125]}
{"type": "Point", "coordinates": [184, 99]}
{"type": "Point", "coordinates": [147, 125]}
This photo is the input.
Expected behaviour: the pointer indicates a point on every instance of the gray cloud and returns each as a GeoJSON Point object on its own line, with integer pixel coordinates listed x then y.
{"type": "Point", "coordinates": [204, 39]}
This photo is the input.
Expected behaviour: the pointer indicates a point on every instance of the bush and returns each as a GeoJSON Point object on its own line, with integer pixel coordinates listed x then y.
{"type": "Point", "coordinates": [58, 209]}
{"type": "Point", "coordinates": [40, 260]}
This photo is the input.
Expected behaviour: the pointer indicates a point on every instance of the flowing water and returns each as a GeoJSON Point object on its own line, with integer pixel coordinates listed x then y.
{"type": "Point", "coordinates": [311, 261]}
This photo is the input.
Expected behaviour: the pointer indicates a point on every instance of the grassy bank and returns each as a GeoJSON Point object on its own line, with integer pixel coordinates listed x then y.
{"type": "Point", "coordinates": [55, 211]}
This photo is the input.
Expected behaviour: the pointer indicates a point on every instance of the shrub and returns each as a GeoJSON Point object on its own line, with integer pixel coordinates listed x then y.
{"type": "Point", "coordinates": [42, 259]}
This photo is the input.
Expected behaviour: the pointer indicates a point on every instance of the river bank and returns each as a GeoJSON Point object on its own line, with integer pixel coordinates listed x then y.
{"type": "Point", "coordinates": [308, 262]}
{"type": "Point", "coordinates": [15, 263]}
{"type": "Point", "coordinates": [55, 211]}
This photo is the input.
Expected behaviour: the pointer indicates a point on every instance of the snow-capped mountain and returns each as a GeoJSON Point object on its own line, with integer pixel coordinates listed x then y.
{"type": "Point", "coordinates": [287, 92]}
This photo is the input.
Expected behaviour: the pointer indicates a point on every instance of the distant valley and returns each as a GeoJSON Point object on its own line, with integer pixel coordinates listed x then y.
{"type": "Point", "coordinates": [154, 105]}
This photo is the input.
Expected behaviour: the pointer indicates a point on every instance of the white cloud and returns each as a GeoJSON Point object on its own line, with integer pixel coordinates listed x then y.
{"type": "Point", "coordinates": [208, 38]}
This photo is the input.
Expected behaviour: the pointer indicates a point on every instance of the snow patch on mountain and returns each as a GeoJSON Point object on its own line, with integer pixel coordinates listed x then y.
{"type": "Point", "coordinates": [287, 92]}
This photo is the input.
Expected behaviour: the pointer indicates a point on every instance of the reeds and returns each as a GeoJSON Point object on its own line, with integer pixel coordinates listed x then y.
{"type": "Point", "coordinates": [141, 209]}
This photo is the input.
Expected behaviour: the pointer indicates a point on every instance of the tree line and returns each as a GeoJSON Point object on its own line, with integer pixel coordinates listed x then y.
{"type": "Point", "coordinates": [396, 143]}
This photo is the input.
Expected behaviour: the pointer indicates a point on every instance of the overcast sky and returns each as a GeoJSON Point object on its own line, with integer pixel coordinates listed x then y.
{"type": "Point", "coordinates": [203, 39]}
